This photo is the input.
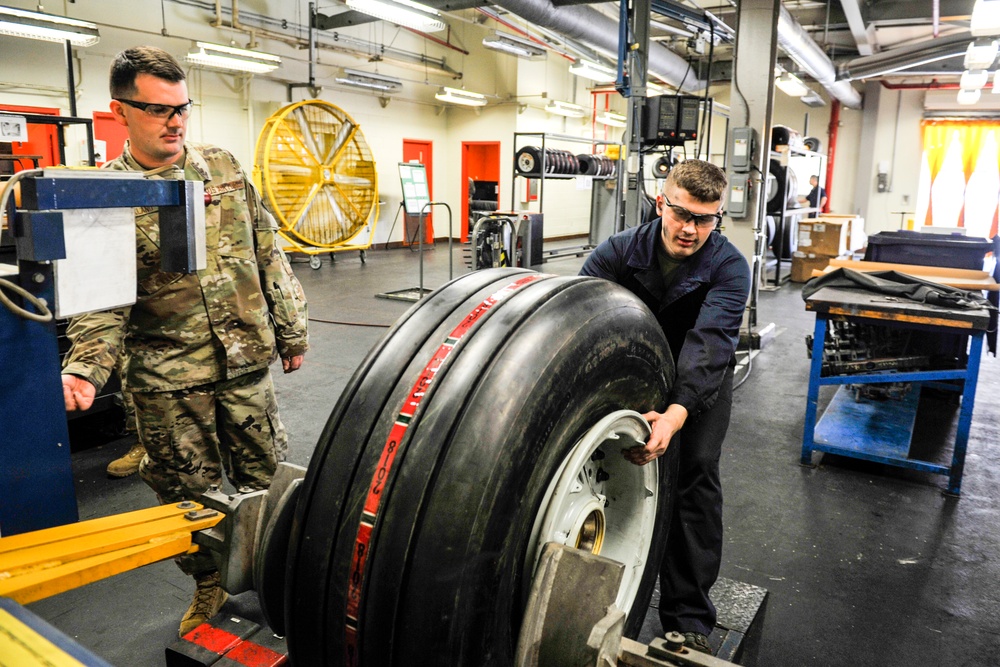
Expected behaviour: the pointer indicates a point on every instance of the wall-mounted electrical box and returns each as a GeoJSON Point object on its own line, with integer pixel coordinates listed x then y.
{"type": "Point", "coordinates": [738, 197]}
{"type": "Point", "coordinates": [670, 120]}
{"type": "Point", "coordinates": [742, 148]}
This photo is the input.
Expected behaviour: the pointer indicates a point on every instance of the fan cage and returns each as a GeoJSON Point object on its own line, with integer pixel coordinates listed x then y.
{"type": "Point", "coordinates": [317, 174]}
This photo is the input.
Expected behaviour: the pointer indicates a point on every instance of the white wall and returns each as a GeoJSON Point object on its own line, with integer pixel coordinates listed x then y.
{"type": "Point", "coordinates": [899, 145]}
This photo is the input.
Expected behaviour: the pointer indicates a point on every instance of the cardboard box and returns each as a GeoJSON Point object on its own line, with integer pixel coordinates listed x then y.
{"type": "Point", "coordinates": [803, 265]}
{"type": "Point", "coordinates": [823, 236]}
{"type": "Point", "coordinates": [856, 236]}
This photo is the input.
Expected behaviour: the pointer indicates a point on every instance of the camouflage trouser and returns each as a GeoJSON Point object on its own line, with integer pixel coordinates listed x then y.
{"type": "Point", "coordinates": [191, 433]}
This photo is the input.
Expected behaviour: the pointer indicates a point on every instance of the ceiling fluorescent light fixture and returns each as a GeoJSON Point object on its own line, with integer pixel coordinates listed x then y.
{"type": "Point", "coordinates": [47, 27]}
{"type": "Point", "coordinates": [981, 55]}
{"type": "Point", "coordinates": [566, 109]}
{"type": "Point", "coordinates": [812, 99]}
{"type": "Point", "coordinates": [370, 80]}
{"type": "Point", "coordinates": [232, 59]}
{"type": "Point", "coordinates": [611, 119]}
{"type": "Point", "coordinates": [402, 12]}
{"type": "Point", "coordinates": [974, 79]}
{"type": "Point", "coordinates": [985, 18]}
{"type": "Point", "coordinates": [968, 96]}
{"type": "Point", "coordinates": [463, 97]}
{"type": "Point", "coordinates": [595, 72]}
{"type": "Point", "coordinates": [791, 85]}
{"type": "Point", "coordinates": [514, 45]}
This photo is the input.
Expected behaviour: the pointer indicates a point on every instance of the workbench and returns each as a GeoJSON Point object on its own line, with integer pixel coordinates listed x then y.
{"type": "Point", "coordinates": [881, 431]}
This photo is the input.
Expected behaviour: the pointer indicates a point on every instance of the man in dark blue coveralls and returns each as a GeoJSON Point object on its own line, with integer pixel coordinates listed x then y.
{"type": "Point", "coordinates": [696, 283]}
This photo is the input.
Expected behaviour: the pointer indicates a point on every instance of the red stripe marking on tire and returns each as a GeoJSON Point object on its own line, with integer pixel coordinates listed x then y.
{"type": "Point", "coordinates": [412, 401]}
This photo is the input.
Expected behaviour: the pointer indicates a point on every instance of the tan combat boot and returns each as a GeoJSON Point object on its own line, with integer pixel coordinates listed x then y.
{"type": "Point", "coordinates": [208, 600]}
{"type": "Point", "coordinates": [128, 464]}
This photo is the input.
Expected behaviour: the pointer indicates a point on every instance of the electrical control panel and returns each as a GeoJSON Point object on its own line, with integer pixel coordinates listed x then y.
{"type": "Point", "coordinates": [670, 120]}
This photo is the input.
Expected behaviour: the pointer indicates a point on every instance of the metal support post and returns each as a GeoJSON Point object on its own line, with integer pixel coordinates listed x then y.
{"type": "Point", "coordinates": [636, 50]}
{"type": "Point", "coordinates": [752, 101]}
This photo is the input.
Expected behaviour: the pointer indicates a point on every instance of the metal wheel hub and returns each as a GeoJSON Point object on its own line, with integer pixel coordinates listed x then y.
{"type": "Point", "coordinates": [599, 502]}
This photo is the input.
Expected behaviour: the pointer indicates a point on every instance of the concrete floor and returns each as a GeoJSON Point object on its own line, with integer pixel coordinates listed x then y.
{"type": "Point", "coordinates": [864, 564]}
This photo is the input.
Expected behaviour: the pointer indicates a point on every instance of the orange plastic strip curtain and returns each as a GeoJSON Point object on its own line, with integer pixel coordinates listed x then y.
{"type": "Point", "coordinates": [960, 175]}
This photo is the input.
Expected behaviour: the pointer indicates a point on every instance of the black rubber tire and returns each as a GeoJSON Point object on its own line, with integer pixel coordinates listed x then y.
{"type": "Point", "coordinates": [780, 191]}
{"type": "Point", "coordinates": [441, 582]}
{"type": "Point", "coordinates": [662, 166]}
{"type": "Point", "coordinates": [588, 164]}
{"type": "Point", "coordinates": [269, 571]}
{"type": "Point", "coordinates": [574, 165]}
{"type": "Point", "coordinates": [528, 160]}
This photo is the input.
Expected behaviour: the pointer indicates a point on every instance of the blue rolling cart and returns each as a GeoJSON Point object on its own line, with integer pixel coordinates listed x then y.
{"type": "Point", "coordinates": [881, 431]}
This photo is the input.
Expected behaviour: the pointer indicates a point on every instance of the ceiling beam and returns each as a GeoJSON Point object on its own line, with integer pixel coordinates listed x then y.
{"type": "Point", "coordinates": [863, 36]}
{"type": "Point", "coordinates": [950, 10]}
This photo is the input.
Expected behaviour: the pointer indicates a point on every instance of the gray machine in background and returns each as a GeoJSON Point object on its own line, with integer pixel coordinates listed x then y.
{"type": "Point", "coordinates": [507, 239]}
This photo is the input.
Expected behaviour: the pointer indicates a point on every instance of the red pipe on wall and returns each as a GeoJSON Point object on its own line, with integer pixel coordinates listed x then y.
{"type": "Point", "coordinates": [831, 133]}
{"type": "Point", "coordinates": [932, 85]}
{"type": "Point", "coordinates": [438, 40]}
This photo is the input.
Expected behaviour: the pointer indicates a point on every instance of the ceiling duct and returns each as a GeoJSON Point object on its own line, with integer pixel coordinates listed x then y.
{"type": "Point", "coordinates": [915, 55]}
{"type": "Point", "coordinates": [591, 26]}
{"type": "Point", "coordinates": [808, 55]}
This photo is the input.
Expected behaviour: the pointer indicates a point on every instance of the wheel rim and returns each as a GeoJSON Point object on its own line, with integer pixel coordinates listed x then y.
{"type": "Point", "coordinates": [599, 502]}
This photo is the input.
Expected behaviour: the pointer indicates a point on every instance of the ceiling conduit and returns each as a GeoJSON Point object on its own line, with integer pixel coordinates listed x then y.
{"type": "Point", "coordinates": [808, 55]}
{"type": "Point", "coordinates": [903, 58]}
{"type": "Point", "coordinates": [591, 26]}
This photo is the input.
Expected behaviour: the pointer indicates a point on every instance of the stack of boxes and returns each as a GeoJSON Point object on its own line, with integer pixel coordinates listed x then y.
{"type": "Point", "coordinates": [823, 238]}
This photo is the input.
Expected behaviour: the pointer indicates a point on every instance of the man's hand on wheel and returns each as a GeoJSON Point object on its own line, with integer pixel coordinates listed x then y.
{"type": "Point", "coordinates": [664, 425]}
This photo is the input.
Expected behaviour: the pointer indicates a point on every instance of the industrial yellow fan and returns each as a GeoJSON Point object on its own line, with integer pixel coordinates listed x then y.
{"type": "Point", "coordinates": [316, 172]}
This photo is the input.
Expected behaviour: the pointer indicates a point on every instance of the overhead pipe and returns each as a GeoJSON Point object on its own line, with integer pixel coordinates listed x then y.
{"type": "Point", "coordinates": [234, 23]}
{"type": "Point", "coordinates": [593, 27]}
{"type": "Point", "coordinates": [930, 85]}
{"type": "Point", "coordinates": [833, 129]}
{"type": "Point", "coordinates": [437, 40]}
{"type": "Point", "coordinates": [906, 57]}
{"type": "Point", "coordinates": [311, 85]}
{"type": "Point", "coordinates": [808, 55]}
{"type": "Point", "coordinates": [589, 25]}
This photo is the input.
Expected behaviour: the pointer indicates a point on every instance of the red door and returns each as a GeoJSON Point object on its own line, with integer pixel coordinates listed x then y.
{"type": "Point", "coordinates": [481, 165]}
{"type": "Point", "coordinates": [422, 152]}
{"type": "Point", "coordinates": [42, 143]}
{"type": "Point", "coordinates": [112, 133]}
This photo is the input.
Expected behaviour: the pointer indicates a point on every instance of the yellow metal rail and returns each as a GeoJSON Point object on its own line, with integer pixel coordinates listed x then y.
{"type": "Point", "coordinates": [37, 565]}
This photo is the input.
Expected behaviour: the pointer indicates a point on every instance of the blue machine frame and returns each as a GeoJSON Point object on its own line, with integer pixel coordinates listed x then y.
{"type": "Point", "coordinates": [35, 472]}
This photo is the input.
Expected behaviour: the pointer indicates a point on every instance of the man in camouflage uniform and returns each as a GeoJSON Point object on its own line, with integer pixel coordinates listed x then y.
{"type": "Point", "coordinates": [196, 347]}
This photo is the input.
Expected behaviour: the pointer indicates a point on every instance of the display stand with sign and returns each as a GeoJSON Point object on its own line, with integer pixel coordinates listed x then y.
{"type": "Point", "coordinates": [417, 201]}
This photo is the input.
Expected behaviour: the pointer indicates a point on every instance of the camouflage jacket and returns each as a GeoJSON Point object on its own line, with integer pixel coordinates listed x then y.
{"type": "Point", "coordinates": [235, 316]}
